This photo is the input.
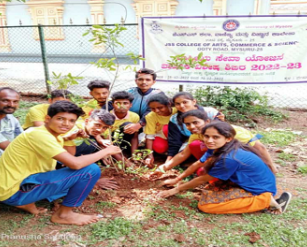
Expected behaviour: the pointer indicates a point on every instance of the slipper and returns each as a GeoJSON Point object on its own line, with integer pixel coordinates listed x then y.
{"type": "Point", "coordinates": [284, 200]}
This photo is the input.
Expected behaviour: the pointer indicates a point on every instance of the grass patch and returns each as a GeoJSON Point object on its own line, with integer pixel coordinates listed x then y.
{"type": "Point", "coordinates": [278, 138]}
{"type": "Point", "coordinates": [23, 109]}
{"type": "Point", "coordinates": [287, 157]}
{"type": "Point", "coordinates": [281, 162]}
{"type": "Point", "coordinates": [102, 205]}
{"type": "Point", "coordinates": [302, 169]}
{"type": "Point", "coordinates": [157, 212]}
{"type": "Point", "coordinates": [188, 195]}
{"type": "Point", "coordinates": [113, 229]}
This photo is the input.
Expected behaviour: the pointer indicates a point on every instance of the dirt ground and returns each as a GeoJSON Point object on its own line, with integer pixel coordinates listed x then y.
{"type": "Point", "coordinates": [297, 120]}
{"type": "Point", "coordinates": [136, 192]}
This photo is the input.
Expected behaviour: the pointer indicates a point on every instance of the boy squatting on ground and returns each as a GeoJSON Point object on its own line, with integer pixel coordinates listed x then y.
{"type": "Point", "coordinates": [92, 128]}
{"type": "Point", "coordinates": [36, 114]}
{"type": "Point", "coordinates": [9, 126]}
{"type": "Point", "coordinates": [122, 102]}
{"type": "Point", "coordinates": [27, 167]}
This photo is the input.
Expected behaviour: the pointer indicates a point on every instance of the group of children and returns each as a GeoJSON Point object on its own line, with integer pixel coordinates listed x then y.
{"type": "Point", "coordinates": [53, 159]}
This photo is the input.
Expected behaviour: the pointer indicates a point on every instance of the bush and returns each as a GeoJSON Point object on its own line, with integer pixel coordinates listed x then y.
{"type": "Point", "coordinates": [23, 109]}
{"type": "Point", "coordinates": [238, 104]}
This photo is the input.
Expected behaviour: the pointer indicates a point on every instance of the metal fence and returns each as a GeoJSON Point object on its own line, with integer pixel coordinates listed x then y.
{"type": "Point", "coordinates": [37, 51]}
{"type": "Point", "coordinates": [29, 55]}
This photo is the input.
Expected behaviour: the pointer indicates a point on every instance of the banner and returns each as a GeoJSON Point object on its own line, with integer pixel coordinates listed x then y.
{"type": "Point", "coordinates": [237, 49]}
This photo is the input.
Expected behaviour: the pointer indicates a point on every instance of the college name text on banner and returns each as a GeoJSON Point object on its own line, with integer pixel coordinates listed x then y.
{"type": "Point", "coordinates": [237, 49]}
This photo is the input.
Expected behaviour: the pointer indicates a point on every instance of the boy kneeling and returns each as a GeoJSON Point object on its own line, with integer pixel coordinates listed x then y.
{"type": "Point", "coordinates": [27, 168]}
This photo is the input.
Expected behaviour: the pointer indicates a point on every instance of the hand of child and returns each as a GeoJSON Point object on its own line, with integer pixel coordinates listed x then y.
{"type": "Point", "coordinates": [78, 133]}
{"type": "Point", "coordinates": [274, 169]}
{"type": "Point", "coordinates": [103, 142]}
{"type": "Point", "coordinates": [220, 116]}
{"type": "Point", "coordinates": [149, 160]}
{"type": "Point", "coordinates": [113, 150]}
{"type": "Point", "coordinates": [167, 193]}
{"type": "Point", "coordinates": [107, 184]}
{"type": "Point", "coordinates": [132, 128]}
{"type": "Point", "coordinates": [82, 134]}
{"type": "Point", "coordinates": [170, 182]}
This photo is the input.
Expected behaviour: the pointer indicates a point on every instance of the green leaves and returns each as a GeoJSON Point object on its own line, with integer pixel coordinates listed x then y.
{"type": "Point", "coordinates": [64, 82]}
{"type": "Point", "coordinates": [109, 38]}
{"type": "Point", "coordinates": [238, 104]}
{"type": "Point", "coordinates": [139, 156]}
{"type": "Point", "coordinates": [112, 229]}
{"type": "Point", "coordinates": [106, 63]}
{"type": "Point", "coordinates": [135, 58]}
{"type": "Point", "coordinates": [181, 61]}
{"type": "Point", "coordinates": [105, 35]}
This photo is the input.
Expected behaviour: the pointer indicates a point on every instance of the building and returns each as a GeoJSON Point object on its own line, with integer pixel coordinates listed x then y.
{"type": "Point", "coordinates": [78, 12]}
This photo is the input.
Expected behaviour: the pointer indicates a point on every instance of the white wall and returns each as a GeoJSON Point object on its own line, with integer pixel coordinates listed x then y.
{"type": "Point", "coordinates": [194, 8]}
{"type": "Point", "coordinates": [240, 7]}
{"type": "Point", "coordinates": [114, 10]}
{"type": "Point", "coordinates": [16, 11]}
{"type": "Point", "coordinates": [77, 10]}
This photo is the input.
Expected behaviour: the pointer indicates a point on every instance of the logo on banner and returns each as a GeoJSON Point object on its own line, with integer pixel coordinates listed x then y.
{"type": "Point", "coordinates": [231, 25]}
{"type": "Point", "coordinates": [156, 28]}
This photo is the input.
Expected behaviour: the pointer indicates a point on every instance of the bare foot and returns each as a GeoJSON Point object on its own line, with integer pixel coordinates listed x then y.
{"type": "Point", "coordinates": [31, 208]}
{"type": "Point", "coordinates": [275, 211]}
{"type": "Point", "coordinates": [72, 218]}
{"type": "Point", "coordinates": [275, 207]}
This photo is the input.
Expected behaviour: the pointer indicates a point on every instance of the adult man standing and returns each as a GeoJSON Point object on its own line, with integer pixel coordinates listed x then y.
{"type": "Point", "coordinates": [9, 126]}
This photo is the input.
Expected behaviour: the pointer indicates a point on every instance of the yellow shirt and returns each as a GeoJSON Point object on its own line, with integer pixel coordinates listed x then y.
{"type": "Point", "coordinates": [30, 153]}
{"type": "Point", "coordinates": [242, 135]}
{"type": "Point", "coordinates": [89, 107]}
{"type": "Point", "coordinates": [35, 114]}
{"type": "Point", "coordinates": [155, 123]}
{"type": "Point", "coordinates": [130, 117]}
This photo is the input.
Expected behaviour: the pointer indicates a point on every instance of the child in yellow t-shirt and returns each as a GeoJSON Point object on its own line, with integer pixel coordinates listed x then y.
{"type": "Point", "coordinates": [156, 128]}
{"type": "Point", "coordinates": [36, 114]}
{"type": "Point", "coordinates": [122, 102]}
{"type": "Point", "coordinates": [27, 168]}
{"type": "Point", "coordinates": [99, 90]}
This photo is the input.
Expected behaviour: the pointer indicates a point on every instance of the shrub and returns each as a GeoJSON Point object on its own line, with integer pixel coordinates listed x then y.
{"type": "Point", "coordinates": [238, 104]}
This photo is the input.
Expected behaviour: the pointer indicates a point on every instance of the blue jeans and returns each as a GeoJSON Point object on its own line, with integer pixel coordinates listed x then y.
{"type": "Point", "coordinates": [75, 185]}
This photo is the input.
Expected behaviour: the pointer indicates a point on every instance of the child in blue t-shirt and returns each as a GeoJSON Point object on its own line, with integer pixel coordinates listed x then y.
{"type": "Point", "coordinates": [243, 183]}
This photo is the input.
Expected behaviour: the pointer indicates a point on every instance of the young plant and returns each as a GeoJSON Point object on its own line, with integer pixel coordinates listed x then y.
{"type": "Point", "coordinates": [110, 38]}
{"type": "Point", "coordinates": [118, 138]}
{"type": "Point", "coordinates": [64, 82]}
{"type": "Point", "coordinates": [139, 156]}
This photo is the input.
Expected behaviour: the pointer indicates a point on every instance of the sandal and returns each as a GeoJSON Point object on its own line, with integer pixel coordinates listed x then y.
{"type": "Point", "coordinates": [284, 200]}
